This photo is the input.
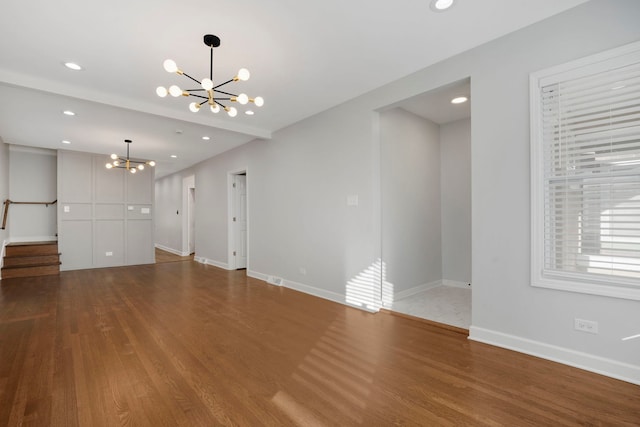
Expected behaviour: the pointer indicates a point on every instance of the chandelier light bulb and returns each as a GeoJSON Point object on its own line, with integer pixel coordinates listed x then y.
{"type": "Point", "coordinates": [114, 157]}
{"type": "Point", "coordinates": [162, 91]}
{"type": "Point", "coordinates": [133, 170]}
{"type": "Point", "coordinates": [152, 163]}
{"type": "Point", "coordinates": [170, 66]}
{"type": "Point", "coordinates": [215, 108]}
{"type": "Point", "coordinates": [232, 112]}
{"type": "Point", "coordinates": [141, 167]}
{"type": "Point", "coordinates": [175, 91]}
{"type": "Point", "coordinates": [207, 84]}
{"type": "Point", "coordinates": [116, 163]}
{"type": "Point", "coordinates": [194, 107]}
{"type": "Point", "coordinates": [243, 74]}
{"type": "Point", "coordinates": [259, 101]}
{"type": "Point", "coordinates": [108, 165]}
{"type": "Point", "coordinates": [242, 98]}
{"type": "Point", "coordinates": [441, 5]}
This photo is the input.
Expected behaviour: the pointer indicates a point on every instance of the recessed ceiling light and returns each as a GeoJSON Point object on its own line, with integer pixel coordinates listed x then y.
{"type": "Point", "coordinates": [173, 156]}
{"type": "Point", "coordinates": [68, 113]}
{"type": "Point", "coordinates": [72, 66]}
{"type": "Point", "coordinates": [64, 141]}
{"type": "Point", "coordinates": [249, 113]}
{"type": "Point", "coordinates": [459, 100]}
{"type": "Point", "coordinates": [440, 5]}
{"type": "Point", "coordinates": [206, 138]}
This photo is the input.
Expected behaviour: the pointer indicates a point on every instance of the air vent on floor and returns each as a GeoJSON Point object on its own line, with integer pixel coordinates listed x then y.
{"type": "Point", "coordinates": [274, 280]}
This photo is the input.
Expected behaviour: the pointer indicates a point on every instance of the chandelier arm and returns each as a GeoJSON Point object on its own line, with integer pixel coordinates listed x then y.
{"type": "Point", "coordinates": [195, 80]}
{"type": "Point", "coordinates": [195, 90]}
{"type": "Point", "coordinates": [219, 103]}
{"type": "Point", "coordinates": [199, 96]}
{"type": "Point", "coordinates": [226, 93]}
{"type": "Point", "coordinates": [222, 84]}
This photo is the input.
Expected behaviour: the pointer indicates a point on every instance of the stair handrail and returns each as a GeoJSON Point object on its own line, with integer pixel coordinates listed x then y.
{"type": "Point", "coordinates": [11, 202]}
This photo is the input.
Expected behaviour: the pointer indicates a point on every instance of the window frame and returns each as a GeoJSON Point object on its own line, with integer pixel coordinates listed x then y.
{"type": "Point", "coordinates": [567, 281]}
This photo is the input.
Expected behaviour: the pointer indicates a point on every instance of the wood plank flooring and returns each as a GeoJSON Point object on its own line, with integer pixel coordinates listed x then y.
{"type": "Point", "coordinates": [164, 256]}
{"type": "Point", "coordinates": [185, 344]}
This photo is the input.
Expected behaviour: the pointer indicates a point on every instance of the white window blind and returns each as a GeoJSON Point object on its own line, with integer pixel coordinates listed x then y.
{"type": "Point", "coordinates": [588, 177]}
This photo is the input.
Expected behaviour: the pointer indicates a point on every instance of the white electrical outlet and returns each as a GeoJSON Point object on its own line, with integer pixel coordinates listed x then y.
{"type": "Point", "coordinates": [582, 325]}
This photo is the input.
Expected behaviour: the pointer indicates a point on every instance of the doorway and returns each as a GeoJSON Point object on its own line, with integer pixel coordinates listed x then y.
{"type": "Point", "coordinates": [191, 224]}
{"type": "Point", "coordinates": [238, 220]}
{"type": "Point", "coordinates": [188, 246]}
{"type": "Point", "coordinates": [425, 172]}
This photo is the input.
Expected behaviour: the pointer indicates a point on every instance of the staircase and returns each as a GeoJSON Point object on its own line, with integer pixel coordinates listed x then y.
{"type": "Point", "coordinates": [29, 259]}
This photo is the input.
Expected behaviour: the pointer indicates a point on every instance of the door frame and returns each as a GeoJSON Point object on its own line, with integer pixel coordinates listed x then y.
{"type": "Point", "coordinates": [231, 263]}
{"type": "Point", "coordinates": [188, 182]}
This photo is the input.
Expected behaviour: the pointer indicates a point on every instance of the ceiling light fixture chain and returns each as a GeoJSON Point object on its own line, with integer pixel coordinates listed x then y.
{"type": "Point", "coordinates": [213, 92]}
{"type": "Point", "coordinates": [126, 163]}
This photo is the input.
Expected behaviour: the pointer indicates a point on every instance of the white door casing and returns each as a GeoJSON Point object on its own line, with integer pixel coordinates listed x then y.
{"type": "Point", "coordinates": [192, 220]}
{"type": "Point", "coordinates": [237, 232]}
{"type": "Point", "coordinates": [240, 220]}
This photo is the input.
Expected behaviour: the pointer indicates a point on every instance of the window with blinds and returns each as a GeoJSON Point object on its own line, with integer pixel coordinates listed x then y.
{"type": "Point", "coordinates": [586, 175]}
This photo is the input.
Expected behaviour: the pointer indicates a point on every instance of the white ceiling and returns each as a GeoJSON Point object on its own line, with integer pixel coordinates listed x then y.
{"type": "Point", "coordinates": [304, 57]}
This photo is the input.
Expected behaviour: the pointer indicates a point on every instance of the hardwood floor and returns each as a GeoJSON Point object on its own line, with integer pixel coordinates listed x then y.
{"type": "Point", "coordinates": [185, 344]}
{"type": "Point", "coordinates": [164, 256]}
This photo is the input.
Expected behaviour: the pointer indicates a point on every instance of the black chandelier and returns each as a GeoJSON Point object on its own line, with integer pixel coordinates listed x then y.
{"type": "Point", "coordinates": [213, 94]}
{"type": "Point", "coordinates": [126, 163]}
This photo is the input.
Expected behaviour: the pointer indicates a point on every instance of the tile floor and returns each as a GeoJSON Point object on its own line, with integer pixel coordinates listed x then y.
{"type": "Point", "coordinates": [445, 304]}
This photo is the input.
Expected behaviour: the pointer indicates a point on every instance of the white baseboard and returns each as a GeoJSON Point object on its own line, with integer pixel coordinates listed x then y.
{"type": "Point", "coordinates": [171, 250]}
{"type": "Point", "coordinates": [203, 260]}
{"type": "Point", "coordinates": [600, 365]}
{"type": "Point", "coordinates": [416, 289]}
{"type": "Point", "coordinates": [33, 239]}
{"type": "Point", "coordinates": [257, 275]}
{"type": "Point", "coordinates": [455, 284]}
{"type": "Point", "coordinates": [311, 290]}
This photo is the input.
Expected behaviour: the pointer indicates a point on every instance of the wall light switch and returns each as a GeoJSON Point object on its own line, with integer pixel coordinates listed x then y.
{"type": "Point", "coordinates": [67, 209]}
{"type": "Point", "coordinates": [145, 211]}
{"type": "Point", "coordinates": [130, 208]}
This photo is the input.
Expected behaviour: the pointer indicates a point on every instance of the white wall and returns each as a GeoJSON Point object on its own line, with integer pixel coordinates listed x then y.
{"type": "Point", "coordinates": [169, 213]}
{"type": "Point", "coordinates": [300, 227]}
{"type": "Point", "coordinates": [298, 182]}
{"type": "Point", "coordinates": [4, 188]}
{"type": "Point", "coordinates": [410, 186]}
{"type": "Point", "coordinates": [105, 216]}
{"type": "Point", "coordinates": [455, 178]}
{"type": "Point", "coordinates": [32, 178]}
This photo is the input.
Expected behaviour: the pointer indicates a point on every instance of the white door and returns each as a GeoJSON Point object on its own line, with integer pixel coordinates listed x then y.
{"type": "Point", "coordinates": [192, 220]}
{"type": "Point", "coordinates": [240, 220]}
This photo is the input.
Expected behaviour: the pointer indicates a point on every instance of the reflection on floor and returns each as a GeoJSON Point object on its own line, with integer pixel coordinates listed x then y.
{"type": "Point", "coordinates": [445, 304]}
